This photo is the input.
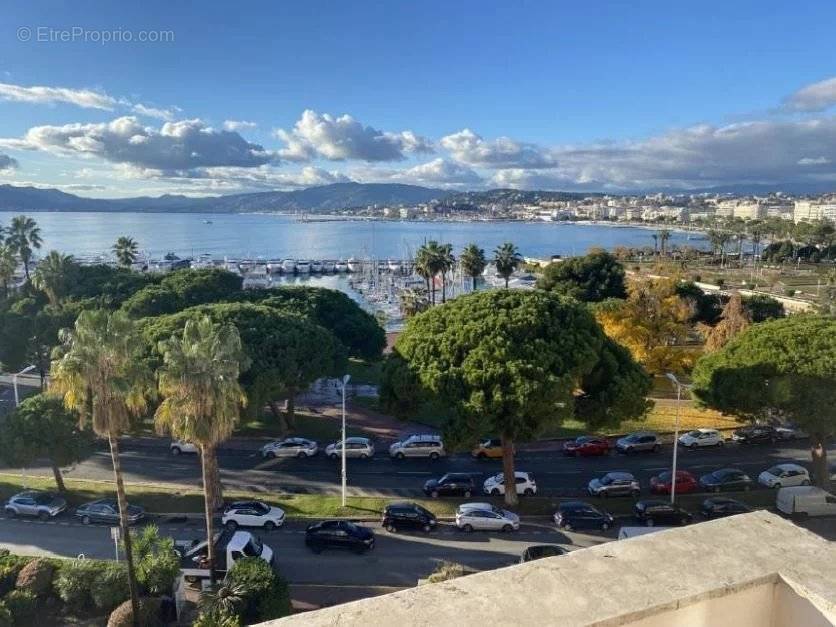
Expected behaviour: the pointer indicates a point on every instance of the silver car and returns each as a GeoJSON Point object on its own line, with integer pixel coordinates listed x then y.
{"type": "Point", "coordinates": [639, 442]}
{"type": "Point", "coordinates": [290, 447]}
{"type": "Point", "coordinates": [418, 446]}
{"type": "Point", "coordinates": [485, 517]}
{"type": "Point", "coordinates": [360, 448]}
{"type": "Point", "coordinates": [614, 484]}
{"type": "Point", "coordinates": [44, 505]}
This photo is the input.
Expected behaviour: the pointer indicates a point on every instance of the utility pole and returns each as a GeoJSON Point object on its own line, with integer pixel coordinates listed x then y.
{"type": "Point", "coordinates": [345, 381]}
{"type": "Point", "coordinates": [679, 386]}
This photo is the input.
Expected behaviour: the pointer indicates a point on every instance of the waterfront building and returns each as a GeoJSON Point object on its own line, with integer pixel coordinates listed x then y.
{"type": "Point", "coordinates": [812, 210]}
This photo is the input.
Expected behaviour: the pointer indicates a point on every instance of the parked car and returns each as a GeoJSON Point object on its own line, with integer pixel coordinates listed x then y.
{"type": "Point", "coordinates": [719, 507]}
{"type": "Point", "coordinates": [580, 515]}
{"type": "Point", "coordinates": [586, 445]}
{"type": "Point", "coordinates": [338, 534]}
{"type": "Point", "coordinates": [726, 479]}
{"type": "Point", "coordinates": [526, 484]}
{"type": "Point", "coordinates": [784, 476]}
{"type": "Point", "coordinates": [699, 438]}
{"type": "Point", "coordinates": [451, 484]}
{"type": "Point", "coordinates": [685, 483]}
{"type": "Point", "coordinates": [615, 484]}
{"type": "Point", "coordinates": [805, 501]}
{"type": "Point", "coordinates": [407, 516]}
{"type": "Point", "coordinates": [485, 517]}
{"type": "Point", "coordinates": [539, 551]}
{"type": "Point", "coordinates": [639, 442]}
{"type": "Point", "coordinates": [653, 512]}
{"type": "Point", "coordinates": [252, 514]}
{"type": "Point", "coordinates": [418, 446]}
{"type": "Point", "coordinates": [490, 448]}
{"type": "Point", "coordinates": [44, 505]}
{"type": "Point", "coordinates": [756, 434]}
{"type": "Point", "coordinates": [178, 447]}
{"type": "Point", "coordinates": [107, 511]}
{"type": "Point", "coordinates": [355, 448]}
{"type": "Point", "coordinates": [790, 431]}
{"type": "Point", "coordinates": [290, 447]}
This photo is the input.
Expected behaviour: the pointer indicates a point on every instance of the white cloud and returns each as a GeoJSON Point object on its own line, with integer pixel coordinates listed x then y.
{"type": "Point", "coordinates": [503, 152]}
{"type": "Point", "coordinates": [7, 163]}
{"type": "Point", "coordinates": [339, 138]}
{"type": "Point", "coordinates": [816, 97]}
{"type": "Point", "coordinates": [239, 125]}
{"type": "Point", "coordinates": [813, 161]}
{"type": "Point", "coordinates": [154, 112]}
{"type": "Point", "coordinates": [85, 98]}
{"type": "Point", "coordinates": [436, 173]}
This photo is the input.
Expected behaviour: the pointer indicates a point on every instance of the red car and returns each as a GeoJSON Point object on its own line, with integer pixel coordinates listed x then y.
{"type": "Point", "coordinates": [587, 445]}
{"type": "Point", "coordinates": [685, 482]}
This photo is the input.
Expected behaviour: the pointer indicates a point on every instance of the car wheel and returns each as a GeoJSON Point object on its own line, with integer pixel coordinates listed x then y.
{"type": "Point", "coordinates": [805, 482]}
{"type": "Point", "coordinates": [231, 525]}
{"type": "Point", "coordinates": [604, 494]}
{"type": "Point", "coordinates": [426, 528]}
{"type": "Point", "coordinates": [334, 456]}
{"type": "Point", "coordinates": [468, 528]}
{"type": "Point", "coordinates": [481, 455]}
{"type": "Point", "coordinates": [648, 522]}
{"type": "Point", "coordinates": [636, 493]}
{"type": "Point", "coordinates": [495, 492]}
{"type": "Point", "coordinates": [467, 494]}
{"type": "Point", "coordinates": [567, 526]}
{"type": "Point", "coordinates": [391, 528]}
{"type": "Point", "coordinates": [11, 513]}
{"type": "Point", "coordinates": [270, 455]}
{"type": "Point", "coordinates": [507, 528]}
{"type": "Point", "coordinates": [434, 494]}
{"type": "Point", "coordinates": [776, 485]}
{"type": "Point", "coordinates": [364, 455]}
{"type": "Point", "coordinates": [433, 456]}
{"type": "Point", "coordinates": [269, 525]}
{"type": "Point", "coordinates": [43, 515]}
{"type": "Point", "coordinates": [720, 443]}
{"type": "Point", "coordinates": [683, 521]}
{"type": "Point", "coordinates": [399, 456]}
{"type": "Point", "coordinates": [175, 451]}
{"type": "Point", "coordinates": [85, 520]}
{"type": "Point", "coordinates": [301, 455]}
{"type": "Point", "coordinates": [747, 487]}
{"type": "Point", "coordinates": [605, 526]}
{"type": "Point", "coordinates": [656, 448]}
{"type": "Point", "coordinates": [528, 492]}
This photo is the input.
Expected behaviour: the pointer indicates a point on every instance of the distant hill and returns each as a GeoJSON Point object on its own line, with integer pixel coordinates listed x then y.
{"type": "Point", "coordinates": [513, 196]}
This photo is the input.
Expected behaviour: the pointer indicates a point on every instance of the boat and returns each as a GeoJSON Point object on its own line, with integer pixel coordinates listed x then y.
{"type": "Point", "coordinates": [207, 222]}
{"type": "Point", "coordinates": [394, 266]}
{"type": "Point", "coordinates": [303, 266]}
{"type": "Point", "coordinates": [341, 266]}
{"type": "Point", "coordinates": [274, 266]}
{"type": "Point", "coordinates": [328, 266]}
{"type": "Point", "coordinates": [289, 266]}
{"type": "Point", "coordinates": [316, 266]}
{"type": "Point", "coordinates": [354, 265]}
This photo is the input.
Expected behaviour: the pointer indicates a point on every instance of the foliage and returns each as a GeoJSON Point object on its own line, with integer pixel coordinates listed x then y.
{"type": "Point", "coordinates": [706, 307]}
{"type": "Point", "coordinates": [157, 564]}
{"type": "Point", "coordinates": [733, 321]}
{"type": "Point", "coordinates": [6, 619]}
{"type": "Point", "coordinates": [22, 605]}
{"type": "Point", "coordinates": [446, 571]}
{"type": "Point", "coordinates": [75, 581]}
{"type": "Point", "coordinates": [8, 575]}
{"type": "Point", "coordinates": [762, 308]}
{"type": "Point", "coordinates": [182, 289]}
{"type": "Point", "coordinates": [217, 620]}
{"type": "Point", "coordinates": [473, 262]}
{"type": "Point", "coordinates": [226, 599]}
{"type": "Point", "coordinates": [266, 594]}
{"type": "Point", "coordinates": [591, 278]}
{"type": "Point", "coordinates": [104, 286]}
{"type": "Point", "coordinates": [153, 300]}
{"type": "Point", "coordinates": [36, 577]}
{"type": "Point", "coordinates": [126, 250]}
{"type": "Point", "coordinates": [24, 237]}
{"type": "Point", "coordinates": [8, 265]}
{"type": "Point", "coordinates": [110, 587]}
{"type": "Point", "coordinates": [54, 275]}
{"type": "Point", "coordinates": [778, 369]}
{"type": "Point", "coordinates": [507, 259]}
{"type": "Point", "coordinates": [149, 614]}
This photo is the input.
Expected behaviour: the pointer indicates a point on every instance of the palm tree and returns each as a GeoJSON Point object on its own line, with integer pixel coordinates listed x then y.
{"type": "Point", "coordinates": [226, 599]}
{"type": "Point", "coordinates": [473, 263]}
{"type": "Point", "coordinates": [422, 265]}
{"type": "Point", "coordinates": [507, 259]}
{"type": "Point", "coordinates": [126, 250]}
{"type": "Point", "coordinates": [412, 302]}
{"type": "Point", "coordinates": [54, 275]}
{"type": "Point", "coordinates": [8, 265]}
{"type": "Point", "coordinates": [100, 372]}
{"type": "Point", "coordinates": [429, 262]}
{"type": "Point", "coordinates": [664, 236]}
{"type": "Point", "coordinates": [446, 261]}
{"type": "Point", "coordinates": [655, 237]}
{"type": "Point", "coordinates": [202, 397]}
{"type": "Point", "coordinates": [24, 238]}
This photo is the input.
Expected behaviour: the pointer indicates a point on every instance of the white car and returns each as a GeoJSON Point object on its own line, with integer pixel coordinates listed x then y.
{"type": "Point", "coordinates": [486, 517]}
{"type": "Point", "coordinates": [252, 514]}
{"type": "Point", "coordinates": [495, 486]}
{"type": "Point", "coordinates": [784, 476]}
{"type": "Point", "coordinates": [361, 448]}
{"type": "Point", "coordinates": [699, 438]}
{"type": "Point", "coordinates": [179, 446]}
{"type": "Point", "coordinates": [290, 447]}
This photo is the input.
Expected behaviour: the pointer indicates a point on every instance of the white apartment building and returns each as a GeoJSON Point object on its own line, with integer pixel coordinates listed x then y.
{"type": "Point", "coordinates": [750, 210]}
{"type": "Point", "coordinates": [725, 208]}
{"type": "Point", "coordinates": [811, 210]}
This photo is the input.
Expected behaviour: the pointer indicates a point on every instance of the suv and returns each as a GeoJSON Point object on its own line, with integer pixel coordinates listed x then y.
{"type": "Point", "coordinates": [451, 484]}
{"type": "Point", "coordinates": [407, 516]}
{"type": "Point", "coordinates": [579, 515]}
{"type": "Point", "coordinates": [44, 505]}
{"type": "Point", "coordinates": [495, 486]}
{"type": "Point", "coordinates": [641, 441]}
{"type": "Point", "coordinates": [655, 512]}
{"type": "Point", "coordinates": [757, 434]}
{"type": "Point", "coordinates": [615, 484]}
{"type": "Point", "coordinates": [178, 447]}
{"type": "Point", "coordinates": [361, 448]}
{"type": "Point", "coordinates": [418, 446]}
{"type": "Point", "coordinates": [252, 514]}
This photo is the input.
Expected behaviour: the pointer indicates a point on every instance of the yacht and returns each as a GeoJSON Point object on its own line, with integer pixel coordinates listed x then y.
{"type": "Point", "coordinates": [303, 266]}
{"type": "Point", "coordinates": [328, 266]}
{"type": "Point", "coordinates": [341, 266]}
{"type": "Point", "coordinates": [316, 266]}
{"type": "Point", "coordinates": [288, 266]}
{"type": "Point", "coordinates": [394, 266]}
{"type": "Point", "coordinates": [354, 265]}
{"type": "Point", "coordinates": [274, 266]}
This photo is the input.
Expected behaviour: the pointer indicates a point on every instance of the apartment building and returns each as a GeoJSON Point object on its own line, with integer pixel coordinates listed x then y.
{"type": "Point", "coordinates": [811, 210]}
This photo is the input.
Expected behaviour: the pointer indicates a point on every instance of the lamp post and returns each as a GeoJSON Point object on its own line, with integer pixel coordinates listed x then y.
{"type": "Point", "coordinates": [14, 381]}
{"type": "Point", "coordinates": [679, 386]}
{"type": "Point", "coordinates": [345, 381]}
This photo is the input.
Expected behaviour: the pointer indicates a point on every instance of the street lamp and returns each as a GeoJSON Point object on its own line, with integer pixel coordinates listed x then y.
{"type": "Point", "coordinates": [14, 381]}
{"type": "Point", "coordinates": [344, 381]}
{"type": "Point", "coordinates": [672, 378]}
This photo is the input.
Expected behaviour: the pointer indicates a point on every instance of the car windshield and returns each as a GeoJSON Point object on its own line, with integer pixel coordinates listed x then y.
{"type": "Point", "coordinates": [775, 470]}
{"type": "Point", "coordinates": [607, 479]}
{"type": "Point", "coordinates": [633, 438]}
{"type": "Point", "coordinates": [253, 547]}
{"type": "Point", "coordinates": [694, 434]}
{"type": "Point", "coordinates": [496, 510]}
{"type": "Point", "coordinates": [666, 476]}
{"type": "Point", "coordinates": [43, 499]}
{"type": "Point", "coordinates": [352, 527]}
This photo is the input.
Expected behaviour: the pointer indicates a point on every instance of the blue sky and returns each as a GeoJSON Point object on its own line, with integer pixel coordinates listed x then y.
{"type": "Point", "coordinates": [274, 95]}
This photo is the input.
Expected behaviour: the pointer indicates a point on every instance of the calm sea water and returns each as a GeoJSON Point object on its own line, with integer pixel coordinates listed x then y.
{"type": "Point", "coordinates": [274, 236]}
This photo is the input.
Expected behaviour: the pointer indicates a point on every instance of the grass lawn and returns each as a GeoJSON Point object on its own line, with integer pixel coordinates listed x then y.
{"type": "Point", "coordinates": [165, 499]}
{"type": "Point", "coordinates": [323, 429]}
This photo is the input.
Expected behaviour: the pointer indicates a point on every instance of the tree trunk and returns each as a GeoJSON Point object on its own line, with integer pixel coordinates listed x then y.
{"type": "Point", "coordinates": [506, 282]}
{"type": "Point", "coordinates": [508, 470]}
{"type": "Point", "coordinates": [473, 285]}
{"type": "Point", "coordinates": [123, 525]}
{"type": "Point", "coordinates": [291, 408]}
{"type": "Point", "coordinates": [284, 427]}
{"type": "Point", "coordinates": [432, 290]}
{"type": "Point", "coordinates": [207, 454]}
{"type": "Point", "coordinates": [215, 481]}
{"type": "Point", "coordinates": [59, 478]}
{"type": "Point", "coordinates": [443, 288]}
{"type": "Point", "coordinates": [818, 451]}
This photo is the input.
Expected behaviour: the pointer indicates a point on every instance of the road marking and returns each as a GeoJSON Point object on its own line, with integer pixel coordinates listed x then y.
{"type": "Point", "coordinates": [413, 472]}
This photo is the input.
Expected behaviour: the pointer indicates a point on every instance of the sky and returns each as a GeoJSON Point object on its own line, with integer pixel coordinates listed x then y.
{"type": "Point", "coordinates": [110, 99]}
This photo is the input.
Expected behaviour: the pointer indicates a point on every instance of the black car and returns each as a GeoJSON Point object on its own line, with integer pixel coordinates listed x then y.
{"type": "Point", "coordinates": [653, 512]}
{"type": "Point", "coordinates": [726, 479]}
{"type": "Point", "coordinates": [539, 551]}
{"type": "Point", "coordinates": [107, 511]}
{"type": "Point", "coordinates": [718, 507]}
{"type": "Point", "coordinates": [580, 515]}
{"type": "Point", "coordinates": [407, 516]}
{"type": "Point", "coordinates": [339, 534]}
{"type": "Point", "coordinates": [757, 434]}
{"type": "Point", "coordinates": [451, 484]}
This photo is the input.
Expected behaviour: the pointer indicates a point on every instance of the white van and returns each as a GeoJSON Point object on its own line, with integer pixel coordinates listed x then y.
{"type": "Point", "coordinates": [805, 500]}
{"type": "Point", "coordinates": [632, 532]}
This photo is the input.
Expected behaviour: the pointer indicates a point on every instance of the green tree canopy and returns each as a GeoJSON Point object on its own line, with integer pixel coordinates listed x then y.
{"type": "Point", "coordinates": [591, 278]}
{"type": "Point", "coordinates": [778, 369]}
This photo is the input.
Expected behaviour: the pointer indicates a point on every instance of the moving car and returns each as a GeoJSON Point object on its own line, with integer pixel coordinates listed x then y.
{"type": "Point", "coordinates": [539, 551]}
{"type": "Point", "coordinates": [44, 505]}
{"type": "Point", "coordinates": [614, 484]}
{"type": "Point", "coordinates": [338, 534]}
{"type": "Point", "coordinates": [756, 434]}
{"type": "Point", "coordinates": [485, 517]}
{"type": "Point", "coordinates": [726, 479]}
{"type": "Point", "coordinates": [418, 446]}
{"type": "Point", "coordinates": [490, 448]}
{"type": "Point", "coordinates": [653, 512]}
{"type": "Point", "coordinates": [790, 431]}
{"type": "Point", "coordinates": [685, 483]}
{"type": "Point", "coordinates": [784, 476]}
{"type": "Point", "coordinates": [719, 507]}
{"type": "Point", "coordinates": [398, 516]}
{"type": "Point", "coordinates": [107, 511]}
{"type": "Point", "coordinates": [451, 484]}
{"type": "Point", "coordinates": [495, 485]}
{"type": "Point", "coordinates": [355, 448]}
{"type": "Point", "coordinates": [230, 546]}
{"type": "Point", "coordinates": [290, 447]}
{"type": "Point", "coordinates": [178, 447]}
{"type": "Point", "coordinates": [805, 501]}
{"type": "Point", "coordinates": [699, 438]}
{"type": "Point", "coordinates": [639, 442]}
{"type": "Point", "coordinates": [586, 445]}
{"type": "Point", "coordinates": [580, 515]}
{"type": "Point", "coordinates": [252, 514]}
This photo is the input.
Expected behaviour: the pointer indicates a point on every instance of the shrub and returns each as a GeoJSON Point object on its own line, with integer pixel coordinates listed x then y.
{"type": "Point", "coordinates": [267, 594]}
{"type": "Point", "coordinates": [155, 560]}
{"type": "Point", "coordinates": [446, 571]}
{"type": "Point", "coordinates": [149, 610]}
{"type": "Point", "coordinates": [5, 616]}
{"type": "Point", "coordinates": [36, 577]}
{"type": "Point", "coordinates": [8, 577]}
{"type": "Point", "coordinates": [110, 587]}
{"type": "Point", "coordinates": [216, 620]}
{"type": "Point", "coordinates": [74, 583]}
{"type": "Point", "coordinates": [23, 605]}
